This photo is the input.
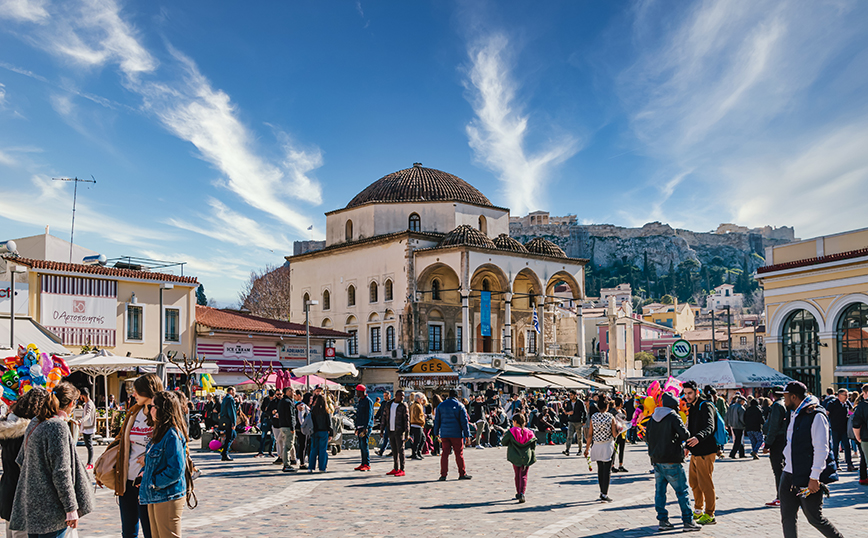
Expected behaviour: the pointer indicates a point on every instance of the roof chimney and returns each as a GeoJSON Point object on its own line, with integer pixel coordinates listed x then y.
{"type": "Point", "coordinates": [417, 165]}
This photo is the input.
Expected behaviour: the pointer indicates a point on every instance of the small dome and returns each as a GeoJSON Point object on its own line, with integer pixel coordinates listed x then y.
{"type": "Point", "coordinates": [418, 184]}
{"type": "Point", "coordinates": [467, 235]}
{"type": "Point", "coordinates": [545, 247]}
{"type": "Point", "coordinates": [505, 242]}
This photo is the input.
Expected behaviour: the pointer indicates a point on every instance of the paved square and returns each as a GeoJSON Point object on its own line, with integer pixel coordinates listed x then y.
{"type": "Point", "coordinates": [251, 497]}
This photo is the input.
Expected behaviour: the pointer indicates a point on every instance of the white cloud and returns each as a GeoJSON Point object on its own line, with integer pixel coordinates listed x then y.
{"type": "Point", "coordinates": [751, 98]}
{"type": "Point", "coordinates": [498, 134]}
{"type": "Point", "coordinates": [23, 10]}
{"type": "Point", "coordinates": [2, 95]}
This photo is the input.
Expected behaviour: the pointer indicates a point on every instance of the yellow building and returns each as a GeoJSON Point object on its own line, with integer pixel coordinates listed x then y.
{"type": "Point", "coordinates": [816, 300]}
{"type": "Point", "coordinates": [680, 317]}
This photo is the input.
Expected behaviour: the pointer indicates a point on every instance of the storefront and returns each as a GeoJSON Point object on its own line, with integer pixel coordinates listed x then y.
{"type": "Point", "coordinates": [428, 375]}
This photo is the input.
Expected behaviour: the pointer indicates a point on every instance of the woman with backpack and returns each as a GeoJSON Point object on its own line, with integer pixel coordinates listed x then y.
{"type": "Point", "coordinates": [164, 482]}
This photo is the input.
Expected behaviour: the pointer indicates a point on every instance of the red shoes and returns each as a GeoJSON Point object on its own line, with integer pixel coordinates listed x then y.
{"type": "Point", "coordinates": [775, 502]}
{"type": "Point", "coordinates": [362, 468]}
{"type": "Point", "coordinates": [400, 473]}
{"type": "Point", "coordinates": [863, 482]}
{"type": "Point", "coordinates": [393, 472]}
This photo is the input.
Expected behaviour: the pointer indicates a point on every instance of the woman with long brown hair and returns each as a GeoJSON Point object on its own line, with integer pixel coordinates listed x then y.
{"type": "Point", "coordinates": [164, 483]}
{"type": "Point", "coordinates": [53, 490]}
{"type": "Point", "coordinates": [133, 440]}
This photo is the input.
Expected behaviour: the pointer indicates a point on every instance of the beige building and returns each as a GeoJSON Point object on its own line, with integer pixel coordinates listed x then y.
{"type": "Point", "coordinates": [420, 262]}
{"type": "Point", "coordinates": [816, 299]}
{"type": "Point", "coordinates": [678, 316]}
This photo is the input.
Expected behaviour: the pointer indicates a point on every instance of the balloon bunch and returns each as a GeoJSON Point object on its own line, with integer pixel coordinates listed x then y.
{"type": "Point", "coordinates": [28, 369]}
{"type": "Point", "coordinates": [206, 382]}
{"type": "Point", "coordinates": [645, 406]}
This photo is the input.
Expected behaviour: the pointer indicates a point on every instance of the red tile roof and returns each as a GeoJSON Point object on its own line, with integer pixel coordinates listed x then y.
{"type": "Point", "coordinates": [99, 270]}
{"type": "Point", "coordinates": [814, 261]}
{"type": "Point", "coordinates": [236, 321]}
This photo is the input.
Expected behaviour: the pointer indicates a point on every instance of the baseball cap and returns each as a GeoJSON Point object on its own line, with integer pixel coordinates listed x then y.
{"type": "Point", "coordinates": [361, 388]}
{"type": "Point", "coordinates": [777, 389]}
{"type": "Point", "coordinates": [797, 388]}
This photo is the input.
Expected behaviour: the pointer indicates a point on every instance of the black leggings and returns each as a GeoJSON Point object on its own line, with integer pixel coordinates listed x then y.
{"type": "Point", "coordinates": [417, 441]}
{"type": "Point", "coordinates": [604, 475]}
{"type": "Point", "coordinates": [88, 443]}
{"type": "Point", "coordinates": [620, 445]}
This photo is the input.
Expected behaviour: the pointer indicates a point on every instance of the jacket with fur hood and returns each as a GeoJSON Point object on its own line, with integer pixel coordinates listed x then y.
{"type": "Point", "coordinates": [11, 436]}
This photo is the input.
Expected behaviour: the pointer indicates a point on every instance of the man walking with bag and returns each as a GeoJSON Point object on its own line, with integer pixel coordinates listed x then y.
{"type": "Point", "coordinates": [809, 466]}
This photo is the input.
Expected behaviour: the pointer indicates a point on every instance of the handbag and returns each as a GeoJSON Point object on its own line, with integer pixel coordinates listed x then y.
{"type": "Point", "coordinates": [104, 468]}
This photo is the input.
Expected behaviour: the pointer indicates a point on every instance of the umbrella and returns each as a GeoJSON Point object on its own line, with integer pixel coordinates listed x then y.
{"type": "Point", "coordinates": [327, 369]}
{"type": "Point", "coordinates": [104, 363]}
{"type": "Point", "coordinates": [734, 375]}
{"type": "Point", "coordinates": [297, 382]}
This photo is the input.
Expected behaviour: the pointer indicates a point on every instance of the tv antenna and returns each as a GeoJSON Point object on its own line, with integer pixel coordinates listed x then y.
{"type": "Point", "coordinates": [75, 182]}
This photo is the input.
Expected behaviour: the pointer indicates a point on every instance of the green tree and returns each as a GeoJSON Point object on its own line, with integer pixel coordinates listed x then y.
{"type": "Point", "coordinates": [647, 358]}
{"type": "Point", "coordinates": [667, 299]}
{"type": "Point", "coordinates": [200, 296]}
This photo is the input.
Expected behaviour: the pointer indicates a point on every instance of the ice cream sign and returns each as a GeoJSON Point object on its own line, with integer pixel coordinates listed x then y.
{"type": "Point", "coordinates": [237, 349]}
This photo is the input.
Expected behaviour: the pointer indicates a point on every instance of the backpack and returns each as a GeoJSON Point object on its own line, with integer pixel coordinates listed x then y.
{"type": "Point", "coordinates": [719, 427]}
{"type": "Point", "coordinates": [307, 425]}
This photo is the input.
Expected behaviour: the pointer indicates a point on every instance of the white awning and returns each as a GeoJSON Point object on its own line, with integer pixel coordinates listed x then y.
{"type": "Point", "coordinates": [563, 381]}
{"type": "Point", "coordinates": [526, 381]}
{"type": "Point", "coordinates": [596, 385]}
{"type": "Point", "coordinates": [27, 331]}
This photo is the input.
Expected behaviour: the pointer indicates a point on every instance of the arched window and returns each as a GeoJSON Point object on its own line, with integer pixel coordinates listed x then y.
{"type": "Point", "coordinates": [485, 285]}
{"type": "Point", "coordinates": [435, 290]}
{"type": "Point", "coordinates": [349, 230]}
{"type": "Point", "coordinates": [800, 341]}
{"type": "Point", "coordinates": [326, 300]}
{"type": "Point", "coordinates": [483, 225]}
{"type": "Point", "coordinates": [390, 338]}
{"type": "Point", "coordinates": [415, 223]}
{"type": "Point", "coordinates": [374, 289]}
{"type": "Point", "coordinates": [304, 300]}
{"type": "Point", "coordinates": [531, 298]}
{"type": "Point", "coordinates": [387, 290]}
{"type": "Point", "coordinates": [853, 335]}
{"type": "Point", "coordinates": [327, 323]}
{"type": "Point", "coordinates": [351, 296]}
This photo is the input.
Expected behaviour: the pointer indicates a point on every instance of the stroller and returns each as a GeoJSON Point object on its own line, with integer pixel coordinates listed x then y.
{"type": "Point", "coordinates": [337, 439]}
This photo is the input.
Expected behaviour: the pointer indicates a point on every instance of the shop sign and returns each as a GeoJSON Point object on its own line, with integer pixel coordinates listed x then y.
{"type": "Point", "coordinates": [330, 352]}
{"type": "Point", "coordinates": [79, 311]}
{"type": "Point", "coordinates": [432, 366]}
{"type": "Point", "coordinates": [22, 293]}
{"type": "Point", "coordinates": [237, 349]}
{"type": "Point", "coordinates": [295, 351]}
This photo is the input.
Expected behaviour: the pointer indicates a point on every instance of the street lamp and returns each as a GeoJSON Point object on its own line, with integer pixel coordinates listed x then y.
{"type": "Point", "coordinates": [161, 367]}
{"type": "Point", "coordinates": [307, 305]}
{"type": "Point", "coordinates": [14, 270]}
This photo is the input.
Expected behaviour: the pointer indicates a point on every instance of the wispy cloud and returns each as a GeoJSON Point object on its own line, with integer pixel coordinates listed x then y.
{"type": "Point", "coordinates": [747, 96]}
{"type": "Point", "coordinates": [498, 134]}
{"type": "Point", "coordinates": [23, 10]}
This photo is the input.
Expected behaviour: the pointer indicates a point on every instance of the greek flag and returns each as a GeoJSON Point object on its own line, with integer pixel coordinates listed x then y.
{"type": "Point", "coordinates": [535, 321]}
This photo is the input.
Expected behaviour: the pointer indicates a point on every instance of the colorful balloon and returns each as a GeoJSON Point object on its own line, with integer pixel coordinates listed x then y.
{"type": "Point", "coordinates": [60, 363]}
{"type": "Point", "coordinates": [215, 444]}
{"type": "Point", "coordinates": [10, 379]}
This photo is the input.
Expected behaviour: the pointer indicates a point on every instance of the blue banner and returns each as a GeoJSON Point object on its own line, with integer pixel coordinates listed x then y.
{"type": "Point", "coordinates": [485, 313]}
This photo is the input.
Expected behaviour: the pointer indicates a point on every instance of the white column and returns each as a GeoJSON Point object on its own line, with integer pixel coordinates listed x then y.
{"type": "Point", "coordinates": [541, 337]}
{"type": "Point", "coordinates": [465, 321]}
{"type": "Point", "coordinates": [507, 336]}
{"type": "Point", "coordinates": [580, 336]}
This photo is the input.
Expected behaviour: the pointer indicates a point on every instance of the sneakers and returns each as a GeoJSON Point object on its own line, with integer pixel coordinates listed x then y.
{"type": "Point", "coordinates": [400, 473]}
{"type": "Point", "coordinates": [359, 468]}
{"type": "Point", "coordinates": [615, 469]}
{"type": "Point", "coordinates": [621, 469]}
{"type": "Point", "coordinates": [775, 502]}
{"type": "Point", "coordinates": [442, 479]}
{"type": "Point", "coordinates": [697, 514]}
{"type": "Point", "coordinates": [706, 520]}
{"type": "Point", "coordinates": [288, 469]}
{"type": "Point", "coordinates": [89, 467]}
{"type": "Point", "coordinates": [465, 477]}
{"type": "Point", "coordinates": [365, 468]}
{"type": "Point", "coordinates": [566, 452]}
{"type": "Point", "coordinates": [393, 472]}
{"type": "Point", "coordinates": [666, 526]}
{"type": "Point", "coordinates": [302, 466]}
{"type": "Point", "coordinates": [551, 442]}
{"type": "Point", "coordinates": [605, 499]}
{"type": "Point", "coordinates": [278, 461]}
{"type": "Point", "coordinates": [521, 499]}
{"type": "Point", "coordinates": [691, 527]}
{"type": "Point", "coordinates": [480, 447]}
{"type": "Point", "coordinates": [863, 482]}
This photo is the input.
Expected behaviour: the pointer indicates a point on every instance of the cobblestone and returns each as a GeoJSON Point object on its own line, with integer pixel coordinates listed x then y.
{"type": "Point", "coordinates": [251, 497]}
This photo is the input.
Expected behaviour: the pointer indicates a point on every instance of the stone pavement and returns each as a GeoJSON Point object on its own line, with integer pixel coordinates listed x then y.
{"type": "Point", "coordinates": [251, 497]}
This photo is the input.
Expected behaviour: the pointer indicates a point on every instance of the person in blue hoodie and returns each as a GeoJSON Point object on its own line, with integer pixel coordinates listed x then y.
{"type": "Point", "coordinates": [364, 423]}
{"type": "Point", "coordinates": [452, 425]}
{"type": "Point", "coordinates": [164, 484]}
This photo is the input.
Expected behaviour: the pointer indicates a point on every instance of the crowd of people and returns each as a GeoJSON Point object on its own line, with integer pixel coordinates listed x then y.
{"type": "Point", "coordinates": [46, 488]}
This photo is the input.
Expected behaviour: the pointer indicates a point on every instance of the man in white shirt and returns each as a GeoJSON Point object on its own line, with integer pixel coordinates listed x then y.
{"type": "Point", "coordinates": [808, 464]}
{"type": "Point", "coordinates": [88, 424]}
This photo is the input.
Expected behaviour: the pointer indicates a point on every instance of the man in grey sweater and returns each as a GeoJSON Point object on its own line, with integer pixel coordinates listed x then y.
{"type": "Point", "coordinates": [735, 422]}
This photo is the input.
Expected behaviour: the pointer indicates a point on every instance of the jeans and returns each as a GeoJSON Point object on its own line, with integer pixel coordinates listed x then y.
{"type": "Point", "coordinates": [812, 506]}
{"type": "Point", "coordinates": [230, 436]}
{"type": "Point", "coordinates": [575, 428]}
{"type": "Point", "coordinates": [132, 513]}
{"type": "Point", "coordinates": [88, 444]}
{"type": "Point", "coordinates": [363, 446]}
{"type": "Point", "coordinates": [671, 474]}
{"type": "Point", "coordinates": [737, 443]}
{"type": "Point", "coordinates": [520, 478]}
{"type": "Point", "coordinates": [266, 437]}
{"type": "Point", "coordinates": [397, 440]}
{"type": "Point", "coordinates": [288, 435]}
{"type": "Point", "coordinates": [319, 450]}
{"type": "Point", "coordinates": [840, 438]}
{"type": "Point", "coordinates": [756, 441]}
{"type": "Point", "coordinates": [449, 444]}
{"type": "Point", "coordinates": [384, 441]}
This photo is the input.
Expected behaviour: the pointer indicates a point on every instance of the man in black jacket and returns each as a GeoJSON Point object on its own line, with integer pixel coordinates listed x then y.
{"type": "Point", "coordinates": [397, 419]}
{"type": "Point", "coordinates": [288, 421]}
{"type": "Point", "coordinates": [380, 419]}
{"type": "Point", "coordinates": [839, 413]}
{"type": "Point", "coordinates": [665, 435]}
{"type": "Point", "coordinates": [776, 438]}
{"type": "Point", "coordinates": [575, 409]}
{"type": "Point", "coordinates": [701, 423]}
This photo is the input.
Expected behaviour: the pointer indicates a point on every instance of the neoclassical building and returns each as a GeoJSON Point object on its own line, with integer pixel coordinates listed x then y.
{"type": "Point", "coordinates": [421, 263]}
{"type": "Point", "coordinates": [816, 296]}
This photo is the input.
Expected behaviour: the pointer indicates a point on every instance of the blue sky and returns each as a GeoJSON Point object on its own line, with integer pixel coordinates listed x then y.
{"type": "Point", "coordinates": [219, 132]}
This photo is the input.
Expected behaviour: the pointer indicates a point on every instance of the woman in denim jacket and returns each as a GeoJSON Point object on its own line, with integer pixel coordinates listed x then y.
{"type": "Point", "coordinates": [164, 484]}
